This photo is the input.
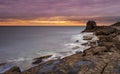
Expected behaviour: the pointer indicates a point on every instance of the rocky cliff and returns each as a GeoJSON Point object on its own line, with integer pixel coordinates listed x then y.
{"type": "Point", "coordinates": [116, 24]}
{"type": "Point", "coordinates": [101, 59]}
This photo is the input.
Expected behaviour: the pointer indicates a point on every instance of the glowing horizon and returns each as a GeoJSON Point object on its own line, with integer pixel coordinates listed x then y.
{"type": "Point", "coordinates": [51, 21]}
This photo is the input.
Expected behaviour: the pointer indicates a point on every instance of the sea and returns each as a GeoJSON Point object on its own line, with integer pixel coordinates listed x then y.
{"type": "Point", "coordinates": [19, 45]}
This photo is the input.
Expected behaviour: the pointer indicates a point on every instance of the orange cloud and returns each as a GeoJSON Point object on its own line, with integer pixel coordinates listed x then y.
{"type": "Point", "coordinates": [49, 21]}
{"type": "Point", "coordinates": [58, 21]}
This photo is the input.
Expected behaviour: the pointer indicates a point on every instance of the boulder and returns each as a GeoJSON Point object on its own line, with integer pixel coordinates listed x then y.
{"type": "Point", "coordinates": [77, 41]}
{"type": "Point", "coordinates": [13, 70]}
{"type": "Point", "coordinates": [76, 47]}
{"type": "Point", "coordinates": [117, 38]}
{"type": "Point", "coordinates": [39, 59]}
{"type": "Point", "coordinates": [108, 45]}
{"type": "Point", "coordinates": [93, 44]}
{"type": "Point", "coordinates": [99, 49]}
{"type": "Point", "coordinates": [116, 41]}
{"type": "Point", "coordinates": [87, 37]}
{"type": "Point", "coordinates": [112, 67]}
{"type": "Point", "coordinates": [103, 38]}
{"type": "Point", "coordinates": [106, 31]}
{"type": "Point", "coordinates": [2, 64]}
{"type": "Point", "coordinates": [95, 50]}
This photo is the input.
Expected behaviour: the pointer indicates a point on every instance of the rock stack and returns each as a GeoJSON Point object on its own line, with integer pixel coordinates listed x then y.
{"type": "Point", "coordinates": [90, 26]}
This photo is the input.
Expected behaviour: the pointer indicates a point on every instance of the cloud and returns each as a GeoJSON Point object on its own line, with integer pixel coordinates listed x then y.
{"type": "Point", "coordinates": [61, 21]}
{"type": "Point", "coordinates": [79, 9]}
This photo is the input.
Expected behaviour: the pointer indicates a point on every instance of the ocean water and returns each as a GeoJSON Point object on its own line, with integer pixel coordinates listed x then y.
{"type": "Point", "coordinates": [19, 45]}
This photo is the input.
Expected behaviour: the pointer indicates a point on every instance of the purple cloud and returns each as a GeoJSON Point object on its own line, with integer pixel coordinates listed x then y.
{"type": "Point", "coordinates": [30, 9]}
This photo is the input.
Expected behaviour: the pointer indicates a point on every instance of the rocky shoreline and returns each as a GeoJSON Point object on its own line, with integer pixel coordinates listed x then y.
{"type": "Point", "coordinates": [103, 58]}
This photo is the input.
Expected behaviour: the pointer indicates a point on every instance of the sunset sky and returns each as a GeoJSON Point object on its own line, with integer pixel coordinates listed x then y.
{"type": "Point", "coordinates": [58, 12]}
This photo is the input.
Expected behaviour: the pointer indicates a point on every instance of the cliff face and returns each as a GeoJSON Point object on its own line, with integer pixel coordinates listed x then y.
{"type": "Point", "coordinates": [101, 59]}
{"type": "Point", "coordinates": [116, 24]}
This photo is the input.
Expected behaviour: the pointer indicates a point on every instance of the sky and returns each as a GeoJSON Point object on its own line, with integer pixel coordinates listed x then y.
{"type": "Point", "coordinates": [58, 12]}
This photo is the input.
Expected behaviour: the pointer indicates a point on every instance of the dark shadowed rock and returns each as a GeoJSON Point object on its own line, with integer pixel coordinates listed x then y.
{"type": "Point", "coordinates": [77, 41]}
{"type": "Point", "coordinates": [103, 38]}
{"type": "Point", "coordinates": [116, 24]}
{"type": "Point", "coordinates": [57, 67]}
{"type": "Point", "coordinates": [76, 47]}
{"type": "Point", "coordinates": [113, 67]}
{"type": "Point", "coordinates": [1, 64]}
{"type": "Point", "coordinates": [87, 37]}
{"type": "Point", "coordinates": [117, 38]}
{"type": "Point", "coordinates": [13, 70]}
{"type": "Point", "coordinates": [90, 26]}
{"type": "Point", "coordinates": [39, 59]}
{"type": "Point", "coordinates": [82, 66]}
{"type": "Point", "coordinates": [95, 51]}
{"type": "Point", "coordinates": [106, 31]}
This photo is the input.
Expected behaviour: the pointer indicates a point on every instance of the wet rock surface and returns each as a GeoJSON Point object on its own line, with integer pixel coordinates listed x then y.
{"type": "Point", "coordinates": [101, 59]}
{"type": "Point", "coordinates": [40, 59]}
{"type": "Point", "coordinates": [87, 37]}
{"type": "Point", "coordinates": [2, 64]}
{"type": "Point", "coordinates": [13, 70]}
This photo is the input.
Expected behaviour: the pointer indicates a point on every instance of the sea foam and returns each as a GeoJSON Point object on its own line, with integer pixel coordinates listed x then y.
{"type": "Point", "coordinates": [73, 44]}
{"type": "Point", "coordinates": [71, 48]}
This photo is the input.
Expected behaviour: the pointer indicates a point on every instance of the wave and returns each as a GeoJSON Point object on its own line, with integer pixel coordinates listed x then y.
{"type": "Point", "coordinates": [5, 68]}
{"type": "Point", "coordinates": [80, 37]}
{"type": "Point", "coordinates": [74, 46]}
{"type": "Point", "coordinates": [19, 59]}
